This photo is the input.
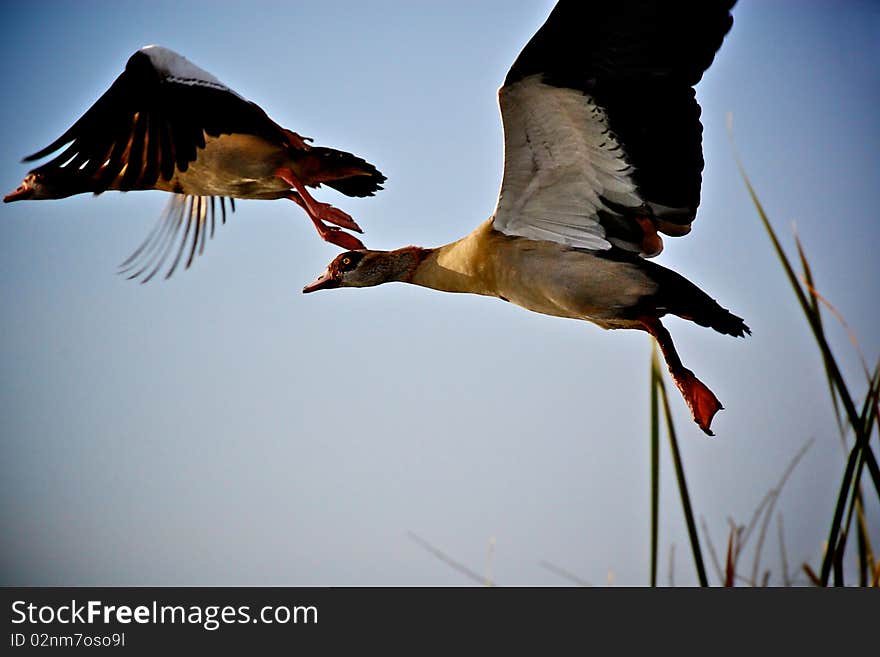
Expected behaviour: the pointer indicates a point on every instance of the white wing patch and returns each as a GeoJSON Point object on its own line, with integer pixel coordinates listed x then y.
{"type": "Point", "coordinates": [560, 161]}
{"type": "Point", "coordinates": [178, 68]}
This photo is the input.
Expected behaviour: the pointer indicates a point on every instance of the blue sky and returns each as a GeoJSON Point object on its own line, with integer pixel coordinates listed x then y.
{"type": "Point", "coordinates": [223, 428]}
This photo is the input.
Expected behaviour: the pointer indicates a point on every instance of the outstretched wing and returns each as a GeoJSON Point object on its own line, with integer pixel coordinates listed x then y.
{"type": "Point", "coordinates": [602, 128]}
{"type": "Point", "coordinates": [150, 121]}
{"type": "Point", "coordinates": [180, 233]}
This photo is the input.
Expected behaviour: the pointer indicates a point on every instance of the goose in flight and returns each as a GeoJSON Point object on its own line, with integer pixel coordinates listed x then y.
{"type": "Point", "coordinates": [167, 124]}
{"type": "Point", "coordinates": [602, 154]}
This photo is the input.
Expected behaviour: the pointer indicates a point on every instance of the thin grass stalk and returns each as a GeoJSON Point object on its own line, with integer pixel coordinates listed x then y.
{"type": "Point", "coordinates": [871, 420]}
{"type": "Point", "coordinates": [860, 457]}
{"type": "Point", "coordinates": [874, 469]}
{"type": "Point", "coordinates": [771, 498]}
{"type": "Point", "coordinates": [746, 531]}
{"type": "Point", "coordinates": [864, 538]}
{"type": "Point", "coordinates": [730, 562]}
{"type": "Point", "coordinates": [869, 414]}
{"type": "Point", "coordinates": [845, 397]}
{"type": "Point", "coordinates": [815, 324]}
{"type": "Point", "coordinates": [565, 574]}
{"type": "Point", "coordinates": [786, 578]}
{"type": "Point", "coordinates": [656, 382]}
{"type": "Point", "coordinates": [863, 550]}
{"type": "Point", "coordinates": [682, 483]}
{"type": "Point", "coordinates": [835, 539]}
{"type": "Point", "coordinates": [861, 439]}
{"type": "Point", "coordinates": [814, 300]}
{"type": "Point", "coordinates": [850, 487]}
{"type": "Point", "coordinates": [812, 576]}
{"type": "Point", "coordinates": [863, 524]}
{"type": "Point", "coordinates": [867, 420]}
{"type": "Point", "coordinates": [866, 557]}
{"type": "Point", "coordinates": [837, 566]}
{"type": "Point", "coordinates": [445, 558]}
{"type": "Point", "coordinates": [712, 552]}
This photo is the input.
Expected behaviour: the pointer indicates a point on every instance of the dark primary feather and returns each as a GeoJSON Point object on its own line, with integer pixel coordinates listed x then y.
{"type": "Point", "coordinates": [639, 60]}
{"type": "Point", "coordinates": [165, 122]}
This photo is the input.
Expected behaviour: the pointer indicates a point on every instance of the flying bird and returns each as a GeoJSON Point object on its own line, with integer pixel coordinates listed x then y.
{"type": "Point", "coordinates": [602, 154]}
{"type": "Point", "coordinates": [167, 124]}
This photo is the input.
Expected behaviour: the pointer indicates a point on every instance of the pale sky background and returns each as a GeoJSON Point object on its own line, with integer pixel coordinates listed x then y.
{"type": "Point", "coordinates": [221, 428]}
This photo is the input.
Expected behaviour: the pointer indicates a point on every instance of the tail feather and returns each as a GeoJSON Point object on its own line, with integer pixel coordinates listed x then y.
{"type": "Point", "coordinates": [677, 295]}
{"type": "Point", "coordinates": [712, 315]}
{"type": "Point", "coordinates": [356, 176]}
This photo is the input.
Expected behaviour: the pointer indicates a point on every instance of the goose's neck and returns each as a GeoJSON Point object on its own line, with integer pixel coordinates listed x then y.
{"type": "Point", "coordinates": [465, 265]}
{"type": "Point", "coordinates": [401, 265]}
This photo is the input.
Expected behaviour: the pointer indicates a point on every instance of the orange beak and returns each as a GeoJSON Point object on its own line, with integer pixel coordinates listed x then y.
{"type": "Point", "coordinates": [324, 282]}
{"type": "Point", "coordinates": [23, 192]}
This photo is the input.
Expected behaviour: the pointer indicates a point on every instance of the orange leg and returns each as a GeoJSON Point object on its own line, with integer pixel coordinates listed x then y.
{"type": "Point", "coordinates": [702, 401]}
{"type": "Point", "coordinates": [316, 209]}
{"type": "Point", "coordinates": [329, 233]}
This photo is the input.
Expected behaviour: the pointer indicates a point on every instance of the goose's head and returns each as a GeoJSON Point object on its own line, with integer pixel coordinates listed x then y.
{"type": "Point", "coordinates": [365, 268]}
{"type": "Point", "coordinates": [32, 187]}
{"type": "Point", "coordinates": [39, 185]}
{"type": "Point", "coordinates": [351, 269]}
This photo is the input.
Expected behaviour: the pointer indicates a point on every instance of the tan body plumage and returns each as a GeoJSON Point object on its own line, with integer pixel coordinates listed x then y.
{"type": "Point", "coordinates": [541, 276]}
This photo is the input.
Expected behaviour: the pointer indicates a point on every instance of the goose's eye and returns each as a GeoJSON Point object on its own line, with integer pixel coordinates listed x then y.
{"type": "Point", "coordinates": [346, 261]}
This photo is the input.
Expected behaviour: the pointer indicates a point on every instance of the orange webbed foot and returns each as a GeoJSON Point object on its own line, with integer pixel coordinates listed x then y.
{"type": "Point", "coordinates": [702, 401]}
{"type": "Point", "coordinates": [341, 238]}
{"type": "Point", "coordinates": [336, 216]}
